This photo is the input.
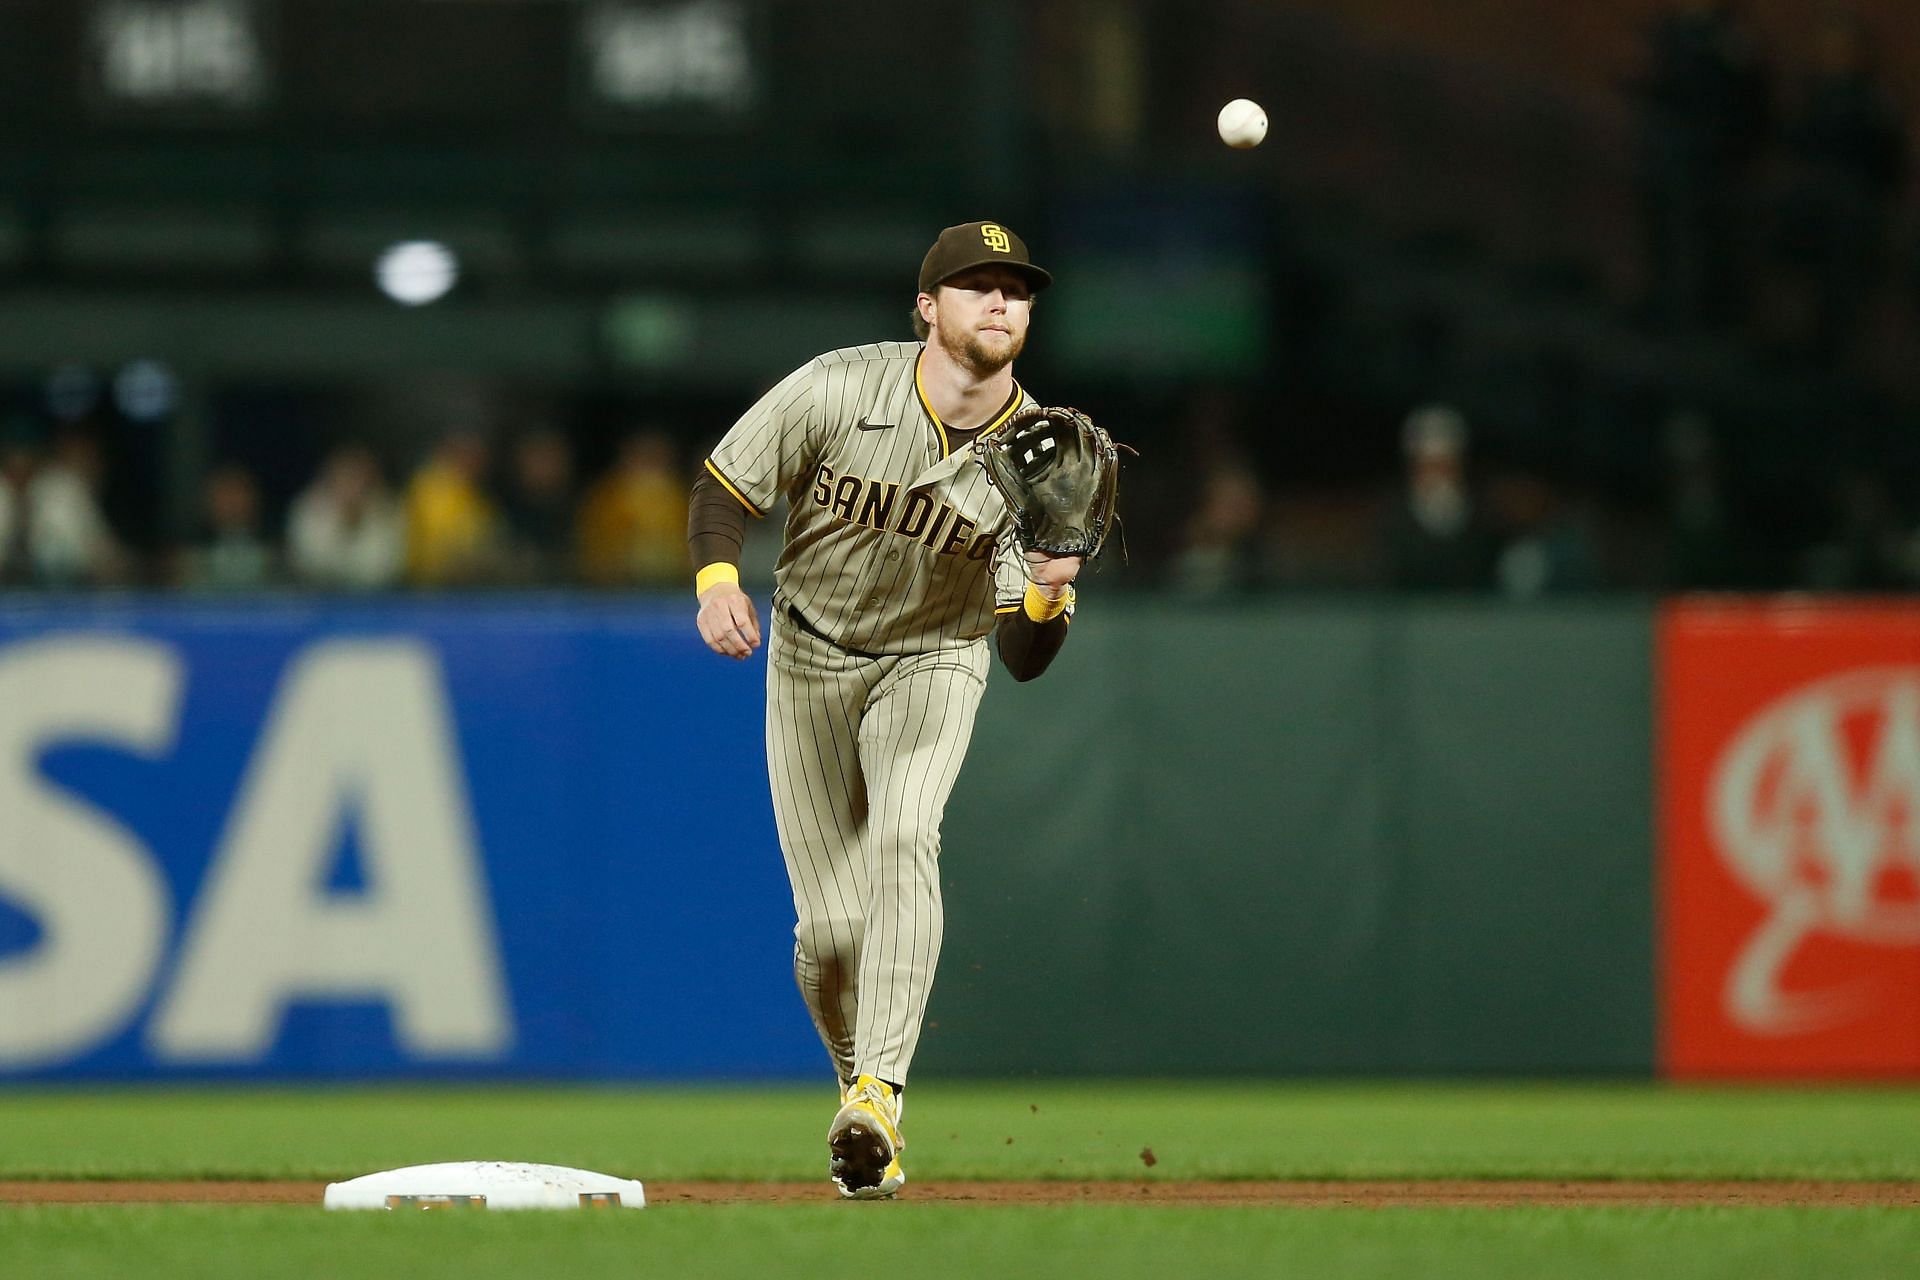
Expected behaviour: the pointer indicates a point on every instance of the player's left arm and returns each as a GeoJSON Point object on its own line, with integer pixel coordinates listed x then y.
{"type": "Point", "coordinates": [1031, 632]}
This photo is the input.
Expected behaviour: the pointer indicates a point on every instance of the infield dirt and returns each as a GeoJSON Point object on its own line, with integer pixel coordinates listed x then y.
{"type": "Point", "coordinates": [1296, 1194]}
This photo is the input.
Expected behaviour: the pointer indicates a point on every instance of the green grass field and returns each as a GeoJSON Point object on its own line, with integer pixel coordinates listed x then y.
{"type": "Point", "coordinates": [961, 1132]}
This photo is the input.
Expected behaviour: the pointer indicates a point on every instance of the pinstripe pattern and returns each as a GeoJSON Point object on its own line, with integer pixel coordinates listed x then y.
{"type": "Point", "coordinates": [862, 754]}
{"type": "Point", "coordinates": [896, 546]}
{"type": "Point", "coordinates": [893, 544]}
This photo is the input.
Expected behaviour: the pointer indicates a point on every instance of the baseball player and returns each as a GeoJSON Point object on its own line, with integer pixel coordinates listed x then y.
{"type": "Point", "coordinates": [898, 561]}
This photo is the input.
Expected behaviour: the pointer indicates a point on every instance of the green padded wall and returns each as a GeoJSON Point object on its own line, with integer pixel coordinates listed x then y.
{"type": "Point", "coordinates": [1372, 837]}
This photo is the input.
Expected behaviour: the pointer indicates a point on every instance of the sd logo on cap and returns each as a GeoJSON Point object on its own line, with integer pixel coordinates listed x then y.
{"type": "Point", "coordinates": [978, 244]}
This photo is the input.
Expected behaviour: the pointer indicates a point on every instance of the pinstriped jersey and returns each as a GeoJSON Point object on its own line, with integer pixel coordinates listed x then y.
{"type": "Point", "coordinates": [895, 541]}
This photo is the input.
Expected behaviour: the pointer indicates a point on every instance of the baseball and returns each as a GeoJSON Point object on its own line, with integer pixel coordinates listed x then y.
{"type": "Point", "coordinates": [1242, 123]}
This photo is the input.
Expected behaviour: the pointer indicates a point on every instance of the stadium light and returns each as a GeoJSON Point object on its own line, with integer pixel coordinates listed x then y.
{"type": "Point", "coordinates": [416, 272]}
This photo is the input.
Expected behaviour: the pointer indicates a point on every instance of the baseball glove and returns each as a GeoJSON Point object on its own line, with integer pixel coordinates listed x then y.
{"type": "Point", "coordinates": [1058, 471]}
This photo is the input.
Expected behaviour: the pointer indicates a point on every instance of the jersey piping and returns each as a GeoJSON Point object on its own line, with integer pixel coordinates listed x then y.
{"type": "Point", "coordinates": [752, 510]}
{"type": "Point", "coordinates": [994, 424]}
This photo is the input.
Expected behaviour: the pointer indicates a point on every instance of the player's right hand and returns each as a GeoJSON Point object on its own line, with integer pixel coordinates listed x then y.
{"type": "Point", "coordinates": [727, 620]}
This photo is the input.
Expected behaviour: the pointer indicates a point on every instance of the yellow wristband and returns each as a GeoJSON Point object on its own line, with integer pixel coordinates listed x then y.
{"type": "Point", "coordinates": [718, 571]}
{"type": "Point", "coordinates": [1041, 609]}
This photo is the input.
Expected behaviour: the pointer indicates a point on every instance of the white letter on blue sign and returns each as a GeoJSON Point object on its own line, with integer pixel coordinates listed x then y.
{"type": "Point", "coordinates": [360, 728]}
{"type": "Point", "coordinates": [88, 883]}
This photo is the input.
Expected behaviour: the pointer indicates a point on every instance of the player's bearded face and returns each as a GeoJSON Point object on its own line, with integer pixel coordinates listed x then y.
{"type": "Point", "coordinates": [985, 350]}
{"type": "Point", "coordinates": [982, 324]}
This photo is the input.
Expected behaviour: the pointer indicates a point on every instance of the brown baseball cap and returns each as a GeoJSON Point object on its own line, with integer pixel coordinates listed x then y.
{"type": "Point", "coordinates": [978, 244]}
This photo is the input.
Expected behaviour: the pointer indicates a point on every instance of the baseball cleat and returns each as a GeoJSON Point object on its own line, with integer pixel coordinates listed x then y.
{"type": "Point", "coordinates": [865, 1142]}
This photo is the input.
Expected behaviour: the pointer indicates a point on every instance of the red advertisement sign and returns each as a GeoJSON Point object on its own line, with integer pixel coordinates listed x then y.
{"type": "Point", "coordinates": [1790, 841]}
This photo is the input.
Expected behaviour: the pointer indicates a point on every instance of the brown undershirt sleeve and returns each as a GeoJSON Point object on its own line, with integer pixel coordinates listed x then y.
{"type": "Point", "coordinates": [716, 523]}
{"type": "Point", "coordinates": [1026, 646]}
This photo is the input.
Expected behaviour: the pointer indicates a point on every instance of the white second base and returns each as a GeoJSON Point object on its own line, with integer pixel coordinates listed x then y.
{"type": "Point", "coordinates": [486, 1184]}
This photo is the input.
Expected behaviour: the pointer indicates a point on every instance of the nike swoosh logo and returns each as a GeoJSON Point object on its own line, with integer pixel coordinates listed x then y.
{"type": "Point", "coordinates": [864, 425]}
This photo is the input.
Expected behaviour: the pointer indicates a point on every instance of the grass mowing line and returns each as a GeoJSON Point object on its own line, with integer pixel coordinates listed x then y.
{"type": "Point", "coordinates": [941, 1241]}
{"type": "Point", "coordinates": [1022, 1131]}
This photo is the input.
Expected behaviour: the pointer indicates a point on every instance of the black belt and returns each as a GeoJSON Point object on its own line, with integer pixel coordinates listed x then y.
{"type": "Point", "coordinates": [800, 621]}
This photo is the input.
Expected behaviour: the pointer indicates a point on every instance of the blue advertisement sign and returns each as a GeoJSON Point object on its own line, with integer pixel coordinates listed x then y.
{"type": "Point", "coordinates": [485, 838]}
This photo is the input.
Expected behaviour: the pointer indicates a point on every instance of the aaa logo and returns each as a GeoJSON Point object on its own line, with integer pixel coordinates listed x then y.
{"type": "Point", "coordinates": [1815, 807]}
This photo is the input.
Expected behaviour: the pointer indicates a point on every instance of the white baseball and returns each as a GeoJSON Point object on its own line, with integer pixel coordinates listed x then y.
{"type": "Point", "coordinates": [1242, 123]}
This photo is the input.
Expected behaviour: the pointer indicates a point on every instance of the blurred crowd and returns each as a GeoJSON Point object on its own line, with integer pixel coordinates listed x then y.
{"type": "Point", "coordinates": [1202, 518]}
{"type": "Point", "coordinates": [1733, 427]}
{"type": "Point", "coordinates": [454, 520]}
{"type": "Point", "coordinates": [1725, 430]}
{"type": "Point", "coordinates": [1453, 522]}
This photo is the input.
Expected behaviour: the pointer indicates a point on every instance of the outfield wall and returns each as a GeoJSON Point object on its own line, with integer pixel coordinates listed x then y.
{"type": "Point", "coordinates": [1408, 838]}
{"type": "Point", "coordinates": [478, 837]}
{"type": "Point", "coordinates": [530, 838]}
